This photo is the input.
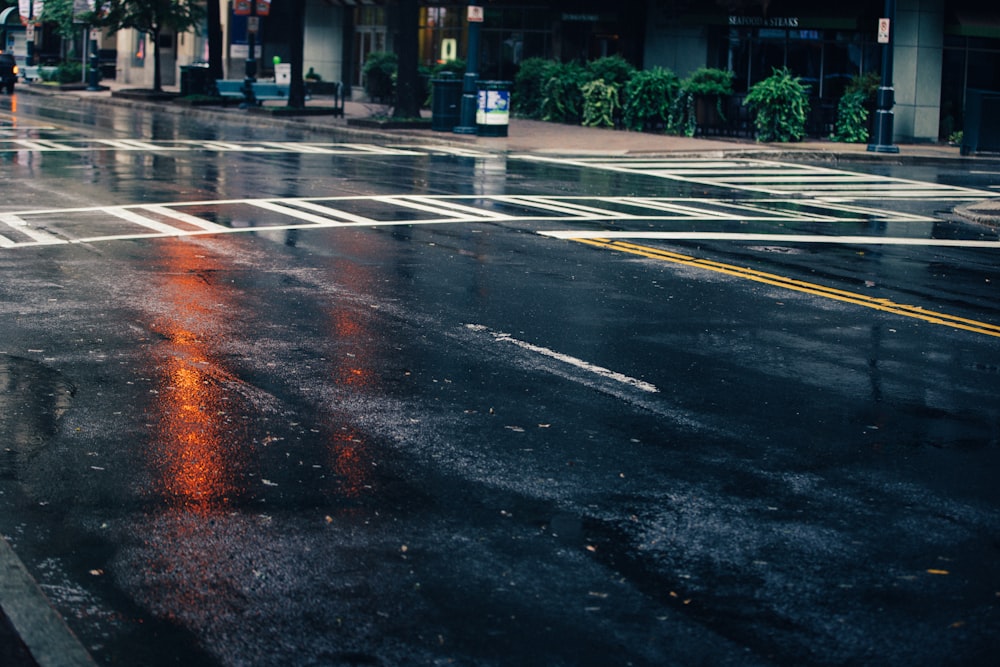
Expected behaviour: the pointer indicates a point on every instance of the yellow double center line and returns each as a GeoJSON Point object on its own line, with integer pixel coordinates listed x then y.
{"type": "Point", "coordinates": [854, 298]}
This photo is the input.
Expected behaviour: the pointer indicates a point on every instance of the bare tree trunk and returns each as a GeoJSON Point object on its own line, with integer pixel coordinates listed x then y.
{"type": "Point", "coordinates": [408, 94]}
{"type": "Point", "coordinates": [214, 41]}
{"type": "Point", "coordinates": [296, 42]}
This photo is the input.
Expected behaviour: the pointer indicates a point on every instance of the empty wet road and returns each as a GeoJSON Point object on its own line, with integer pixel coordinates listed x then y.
{"type": "Point", "coordinates": [273, 399]}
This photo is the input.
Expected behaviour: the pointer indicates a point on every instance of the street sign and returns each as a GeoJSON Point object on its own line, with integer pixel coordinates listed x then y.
{"type": "Point", "coordinates": [883, 31]}
{"type": "Point", "coordinates": [253, 24]}
{"type": "Point", "coordinates": [475, 14]}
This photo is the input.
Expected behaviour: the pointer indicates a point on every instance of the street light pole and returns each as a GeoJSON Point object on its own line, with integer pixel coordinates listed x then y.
{"type": "Point", "coordinates": [470, 94]}
{"type": "Point", "coordinates": [882, 135]}
{"type": "Point", "coordinates": [29, 44]}
{"type": "Point", "coordinates": [252, 25]}
{"type": "Point", "coordinates": [93, 75]}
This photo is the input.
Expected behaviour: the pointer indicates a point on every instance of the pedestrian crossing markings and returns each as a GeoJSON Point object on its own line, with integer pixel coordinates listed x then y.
{"type": "Point", "coordinates": [778, 178]}
{"type": "Point", "coordinates": [563, 217]}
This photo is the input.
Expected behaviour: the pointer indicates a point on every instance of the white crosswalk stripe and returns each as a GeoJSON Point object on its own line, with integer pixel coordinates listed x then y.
{"type": "Point", "coordinates": [585, 215]}
{"type": "Point", "coordinates": [777, 178]}
{"type": "Point", "coordinates": [192, 146]}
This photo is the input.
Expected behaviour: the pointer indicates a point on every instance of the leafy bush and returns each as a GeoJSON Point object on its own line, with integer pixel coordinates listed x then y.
{"type": "Point", "coordinates": [852, 118]}
{"type": "Point", "coordinates": [615, 70]}
{"type": "Point", "coordinates": [853, 108]}
{"type": "Point", "coordinates": [601, 105]}
{"type": "Point", "coordinates": [380, 76]}
{"type": "Point", "coordinates": [781, 104]}
{"type": "Point", "coordinates": [529, 81]}
{"type": "Point", "coordinates": [682, 119]}
{"type": "Point", "coordinates": [709, 81]}
{"type": "Point", "coordinates": [648, 98]}
{"type": "Point", "coordinates": [562, 99]}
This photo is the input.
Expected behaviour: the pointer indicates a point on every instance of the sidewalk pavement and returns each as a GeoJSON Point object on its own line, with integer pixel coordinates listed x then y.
{"type": "Point", "coordinates": [523, 136]}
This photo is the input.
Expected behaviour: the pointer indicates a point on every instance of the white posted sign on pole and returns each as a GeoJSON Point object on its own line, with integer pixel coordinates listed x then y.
{"type": "Point", "coordinates": [883, 31]}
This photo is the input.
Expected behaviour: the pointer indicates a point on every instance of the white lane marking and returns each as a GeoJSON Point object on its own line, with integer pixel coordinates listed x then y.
{"type": "Point", "coordinates": [331, 212]}
{"type": "Point", "coordinates": [185, 217]}
{"type": "Point", "coordinates": [321, 220]}
{"type": "Point", "coordinates": [440, 207]}
{"type": "Point", "coordinates": [499, 336]}
{"type": "Point", "coordinates": [773, 238]}
{"type": "Point", "coordinates": [733, 173]}
{"type": "Point", "coordinates": [318, 212]}
{"type": "Point", "coordinates": [18, 223]}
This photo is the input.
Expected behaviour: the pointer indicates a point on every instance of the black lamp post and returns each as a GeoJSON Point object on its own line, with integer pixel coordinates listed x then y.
{"type": "Point", "coordinates": [882, 135]}
{"type": "Point", "coordinates": [470, 93]}
{"type": "Point", "coordinates": [252, 26]}
{"type": "Point", "coordinates": [29, 45]}
{"type": "Point", "coordinates": [93, 74]}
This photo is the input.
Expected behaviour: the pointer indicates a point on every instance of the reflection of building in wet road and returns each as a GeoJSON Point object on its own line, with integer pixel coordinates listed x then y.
{"type": "Point", "coordinates": [32, 399]}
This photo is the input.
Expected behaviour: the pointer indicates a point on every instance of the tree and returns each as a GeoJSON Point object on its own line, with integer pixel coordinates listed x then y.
{"type": "Point", "coordinates": [66, 16]}
{"type": "Point", "coordinates": [297, 89]}
{"type": "Point", "coordinates": [214, 40]}
{"type": "Point", "coordinates": [151, 18]}
{"type": "Point", "coordinates": [408, 95]}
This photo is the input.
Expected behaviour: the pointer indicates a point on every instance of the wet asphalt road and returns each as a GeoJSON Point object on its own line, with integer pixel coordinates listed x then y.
{"type": "Point", "coordinates": [426, 442]}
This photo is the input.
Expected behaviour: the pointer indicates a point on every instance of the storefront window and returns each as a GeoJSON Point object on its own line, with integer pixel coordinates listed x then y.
{"type": "Point", "coordinates": [369, 37]}
{"type": "Point", "coordinates": [825, 60]}
{"type": "Point", "coordinates": [969, 62]}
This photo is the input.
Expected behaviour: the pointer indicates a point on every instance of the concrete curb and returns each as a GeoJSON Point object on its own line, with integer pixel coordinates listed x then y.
{"type": "Point", "coordinates": [43, 631]}
{"type": "Point", "coordinates": [984, 212]}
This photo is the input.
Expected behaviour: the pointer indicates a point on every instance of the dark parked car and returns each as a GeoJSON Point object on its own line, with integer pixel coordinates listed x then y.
{"type": "Point", "coordinates": [8, 71]}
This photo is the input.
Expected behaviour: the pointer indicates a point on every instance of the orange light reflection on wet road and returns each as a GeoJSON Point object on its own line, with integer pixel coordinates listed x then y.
{"type": "Point", "coordinates": [198, 457]}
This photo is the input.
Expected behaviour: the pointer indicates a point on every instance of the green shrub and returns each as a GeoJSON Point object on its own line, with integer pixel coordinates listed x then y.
{"type": "Point", "coordinates": [852, 118]}
{"type": "Point", "coordinates": [70, 72]}
{"type": "Point", "coordinates": [709, 81]}
{"type": "Point", "coordinates": [615, 70]}
{"type": "Point", "coordinates": [781, 105]}
{"type": "Point", "coordinates": [648, 97]}
{"type": "Point", "coordinates": [562, 99]}
{"type": "Point", "coordinates": [601, 105]}
{"type": "Point", "coordinates": [529, 81]}
{"type": "Point", "coordinates": [682, 120]}
{"type": "Point", "coordinates": [380, 76]}
{"type": "Point", "coordinates": [853, 108]}
{"type": "Point", "coordinates": [867, 82]}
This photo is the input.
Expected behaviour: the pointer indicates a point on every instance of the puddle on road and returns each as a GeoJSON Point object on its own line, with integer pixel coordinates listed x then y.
{"type": "Point", "coordinates": [32, 399]}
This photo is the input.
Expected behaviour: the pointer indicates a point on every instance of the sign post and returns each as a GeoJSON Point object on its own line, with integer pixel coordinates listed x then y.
{"type": "Point", "coordinates": [470, 94]}
{"type": "Point", "coordinates": [885, 100]}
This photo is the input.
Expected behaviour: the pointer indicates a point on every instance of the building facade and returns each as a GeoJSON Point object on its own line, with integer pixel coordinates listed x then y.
{"type": "Point", "coordinates": [940, 49]}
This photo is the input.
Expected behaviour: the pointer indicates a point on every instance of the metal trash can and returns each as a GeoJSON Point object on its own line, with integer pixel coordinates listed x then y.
{"type": "Point", "coordinates": [194, 80]}
{"type": "Point", "coordinates": [493, 111]}
{"type": "Point", "coordinates": [981, 131]}
{"type": "Point", "coordinates": [446, 102]}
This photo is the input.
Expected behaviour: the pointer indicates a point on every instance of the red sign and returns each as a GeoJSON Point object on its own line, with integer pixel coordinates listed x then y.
{"type": "Point", "coordinates": [263, 7]}
{"type": "Point", "coordinates": [242, 7]}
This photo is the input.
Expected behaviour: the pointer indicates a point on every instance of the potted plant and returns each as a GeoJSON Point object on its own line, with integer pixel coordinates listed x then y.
{"type": "Point", "coordinates": [781, 105]}
{"type": "Point", "coordinates": [709, 86]}
{"type": "Point", "coordinates": [648, 97]}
